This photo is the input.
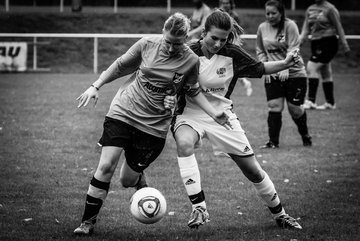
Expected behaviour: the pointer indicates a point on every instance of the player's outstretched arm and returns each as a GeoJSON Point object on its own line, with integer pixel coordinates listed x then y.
{"type": "Point", "coordinates": [292, 58]}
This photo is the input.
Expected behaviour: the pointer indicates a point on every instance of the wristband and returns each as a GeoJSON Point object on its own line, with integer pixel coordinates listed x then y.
{"type": "Point", "coordinates": [95, 87]}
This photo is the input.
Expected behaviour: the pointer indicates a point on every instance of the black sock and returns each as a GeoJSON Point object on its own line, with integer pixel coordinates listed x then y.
{"type": "Point", "coordinates": [313, 86]}
{"type": "Point", "coordinates": [329, 92]}
{"type": "Point", "coordinates": [276, 209]}
{"type": "Point", "coordinates": [197, 198]}
{"type": "Point", "coordinates": [274, 125]}
{"type": "Point", "coordinates": [93, 204]}
{"type": "Point", "coordinates": [301, 124]}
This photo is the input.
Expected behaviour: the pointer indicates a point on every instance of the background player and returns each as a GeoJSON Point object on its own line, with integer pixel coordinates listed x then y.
{"type": "Point", "coordinates": [229, 7]}
{"type": "Point", "coordinates": [198, 19]}
{"type": "Point", "coordinates": [276, 37]}
{"type": "Point", "coordinates": [322, 21]}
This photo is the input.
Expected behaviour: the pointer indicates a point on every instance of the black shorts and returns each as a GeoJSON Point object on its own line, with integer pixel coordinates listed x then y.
{"type": "Point", "coordinates": [293, 89]}
{"type": "Point", "coordinates": [324, 50]}
{"type": "Point", "coordinates": [141, 148]}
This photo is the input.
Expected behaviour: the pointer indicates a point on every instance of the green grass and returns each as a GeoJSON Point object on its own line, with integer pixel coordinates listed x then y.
{"type": "Point", "coordinates": [48, 154]}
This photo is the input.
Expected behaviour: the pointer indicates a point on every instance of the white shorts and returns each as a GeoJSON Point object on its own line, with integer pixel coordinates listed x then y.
{"type": "Point", "coordinates": [223, 141]}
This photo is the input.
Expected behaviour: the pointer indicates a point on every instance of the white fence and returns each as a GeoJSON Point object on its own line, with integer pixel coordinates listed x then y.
{"type": "Point", "coordinates": [95, 37]}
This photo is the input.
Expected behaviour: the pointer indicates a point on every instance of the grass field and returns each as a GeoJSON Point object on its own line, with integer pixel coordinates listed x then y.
{"type": "Point", "coordinates": [48, 154]}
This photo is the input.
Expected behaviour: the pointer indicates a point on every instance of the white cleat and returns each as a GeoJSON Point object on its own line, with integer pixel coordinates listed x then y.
{"type": "Point", "coordinates": [326, 106]}
{"type": "Point", "coordinates": [309, 105]}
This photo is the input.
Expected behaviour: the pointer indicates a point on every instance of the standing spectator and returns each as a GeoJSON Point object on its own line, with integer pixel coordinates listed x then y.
{"type": "Point", "coordinates": [322, 21]}
{"type": "Point", "coordinates": [138, 119]}
{"type": "Point", "coordinates": [229, 6]}
{"type": "Point", "coordinates": [198, 19]}
{"type": "Point", "coordinates": [276, 37]}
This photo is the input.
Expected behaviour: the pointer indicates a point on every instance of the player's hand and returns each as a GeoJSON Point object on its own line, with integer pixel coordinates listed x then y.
{"type": "Point", "coordinates": [292, 57]}
{"type": "Point", "coordinates": [284, 75]}
{"type": "Point", "coordinates": [267, 79]}
{"type": "Point", "coordinates": [84, 98]}
{"type": "Point", "coordinates": [169, 102]}
{"type": "Point", "coordinates": [223, 119]}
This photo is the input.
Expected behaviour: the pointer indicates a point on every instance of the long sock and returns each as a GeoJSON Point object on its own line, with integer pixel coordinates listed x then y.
{"type": "Point", "coordinates": [301, 124]}
{"type": "Point", "coordinates": [266, 191]}
{"type": "Point", "coordinates": [328, 88]}
{"type": "Point", "coordinates": [313, 86]}
{"type": "Point", "coordinates": [190, 176]}
{"type": "Point", "coordinates": [274, 125]}
{"type": "Point", "coordinates": [95, 197]}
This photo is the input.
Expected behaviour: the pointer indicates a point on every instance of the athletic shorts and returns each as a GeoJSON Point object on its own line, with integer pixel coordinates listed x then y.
{"type": "Point", "coordinates": [223, 141]}
{"type": "Point", "coordinates": [292, 89]}
{"type": "Point", "coordinates": [141, 148]}
{"type": "Point", "coordinates": [324, 50]}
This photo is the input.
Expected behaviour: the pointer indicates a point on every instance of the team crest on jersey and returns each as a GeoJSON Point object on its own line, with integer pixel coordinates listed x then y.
{"type": "Point", "coordinates": [177, 78]}
{"type": "Point", "coordinates": [176, 83]}
{"type": "Point", "coordinates": [221, 72]}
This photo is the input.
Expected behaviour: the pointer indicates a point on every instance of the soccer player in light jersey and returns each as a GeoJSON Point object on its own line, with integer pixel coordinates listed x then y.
{"type": "Point", "coordinates": [137, 121]}
{"type": "Point", "coordinates": [276, 37]}
{"type": "Point", "coordinates": [221, 64]}
{"type": "Point", "coordinates": [322, 21]}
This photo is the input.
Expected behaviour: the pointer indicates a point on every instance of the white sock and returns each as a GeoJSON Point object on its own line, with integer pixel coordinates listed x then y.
{"type": "Point", "coordinates": [266, 191]}
{"type": "Point", "coordinates": [190, 175]}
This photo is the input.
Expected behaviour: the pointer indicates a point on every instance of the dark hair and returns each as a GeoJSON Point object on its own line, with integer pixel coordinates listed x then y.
{"type": "Point", "coordinates": [219, 19]}
{"type": "Point", "coordinates": [281, 8]}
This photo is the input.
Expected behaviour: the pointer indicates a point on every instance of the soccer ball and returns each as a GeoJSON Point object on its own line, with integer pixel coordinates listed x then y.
{"type": "Point", "coordinates": [148, 205]}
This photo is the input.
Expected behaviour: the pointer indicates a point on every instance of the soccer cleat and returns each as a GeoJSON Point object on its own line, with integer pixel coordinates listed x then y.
{"type": "Point", "coordinates": [309, 105]}
{"type": "Point", "coordinates": [270, 144]}
{"type": "Point", "coordinates": [285, 221]}
{"type": "Point", "coordinates": [326, 106]}
{"type": "Point", "coordinates": [306, 140]}
{"type": "Point", "coordinates": [142, 182]}
{"type": "Point", "coordinates": [85, 229]}
{"type": "Point", "coordinates": [198, 217]}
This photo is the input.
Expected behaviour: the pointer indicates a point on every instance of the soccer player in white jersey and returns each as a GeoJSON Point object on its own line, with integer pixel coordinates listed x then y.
{"type": "Point", "coordinates": [221, 64]}
{"type": "Point", "coordinates": [276, 37]}
{"type": "Point", "coordinates": [137, 121]}
{"type": "Point", "coordinates": [322, 21]}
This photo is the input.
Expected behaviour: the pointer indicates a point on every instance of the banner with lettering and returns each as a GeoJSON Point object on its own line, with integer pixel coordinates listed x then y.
{"type": "Point", "coordinates": [13, 56]}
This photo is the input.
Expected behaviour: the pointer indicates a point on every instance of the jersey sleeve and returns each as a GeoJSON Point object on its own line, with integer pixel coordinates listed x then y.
{"type": "Point", "coordinates": [125, 64]}
{"type": "Point", "coordinates": [191, 86]}
{"type": "Point", "coordinates": [245, 65]}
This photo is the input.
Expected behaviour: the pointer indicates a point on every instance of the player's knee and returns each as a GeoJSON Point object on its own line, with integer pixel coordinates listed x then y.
{"type": "Point", "coordinates": [184, 147]}
{"type": "Point", "coordinates": [295, 111]}
{"type": "Point", "coordinates": [106, 169]}
{"type": "Point", "coordinates": [127, 182]}
{"type": "Point", "coordinates": [275, 106]}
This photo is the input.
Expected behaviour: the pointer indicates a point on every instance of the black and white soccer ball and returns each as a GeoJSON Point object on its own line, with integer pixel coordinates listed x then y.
{"type": "Point", "coordinates": [148, 205]}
